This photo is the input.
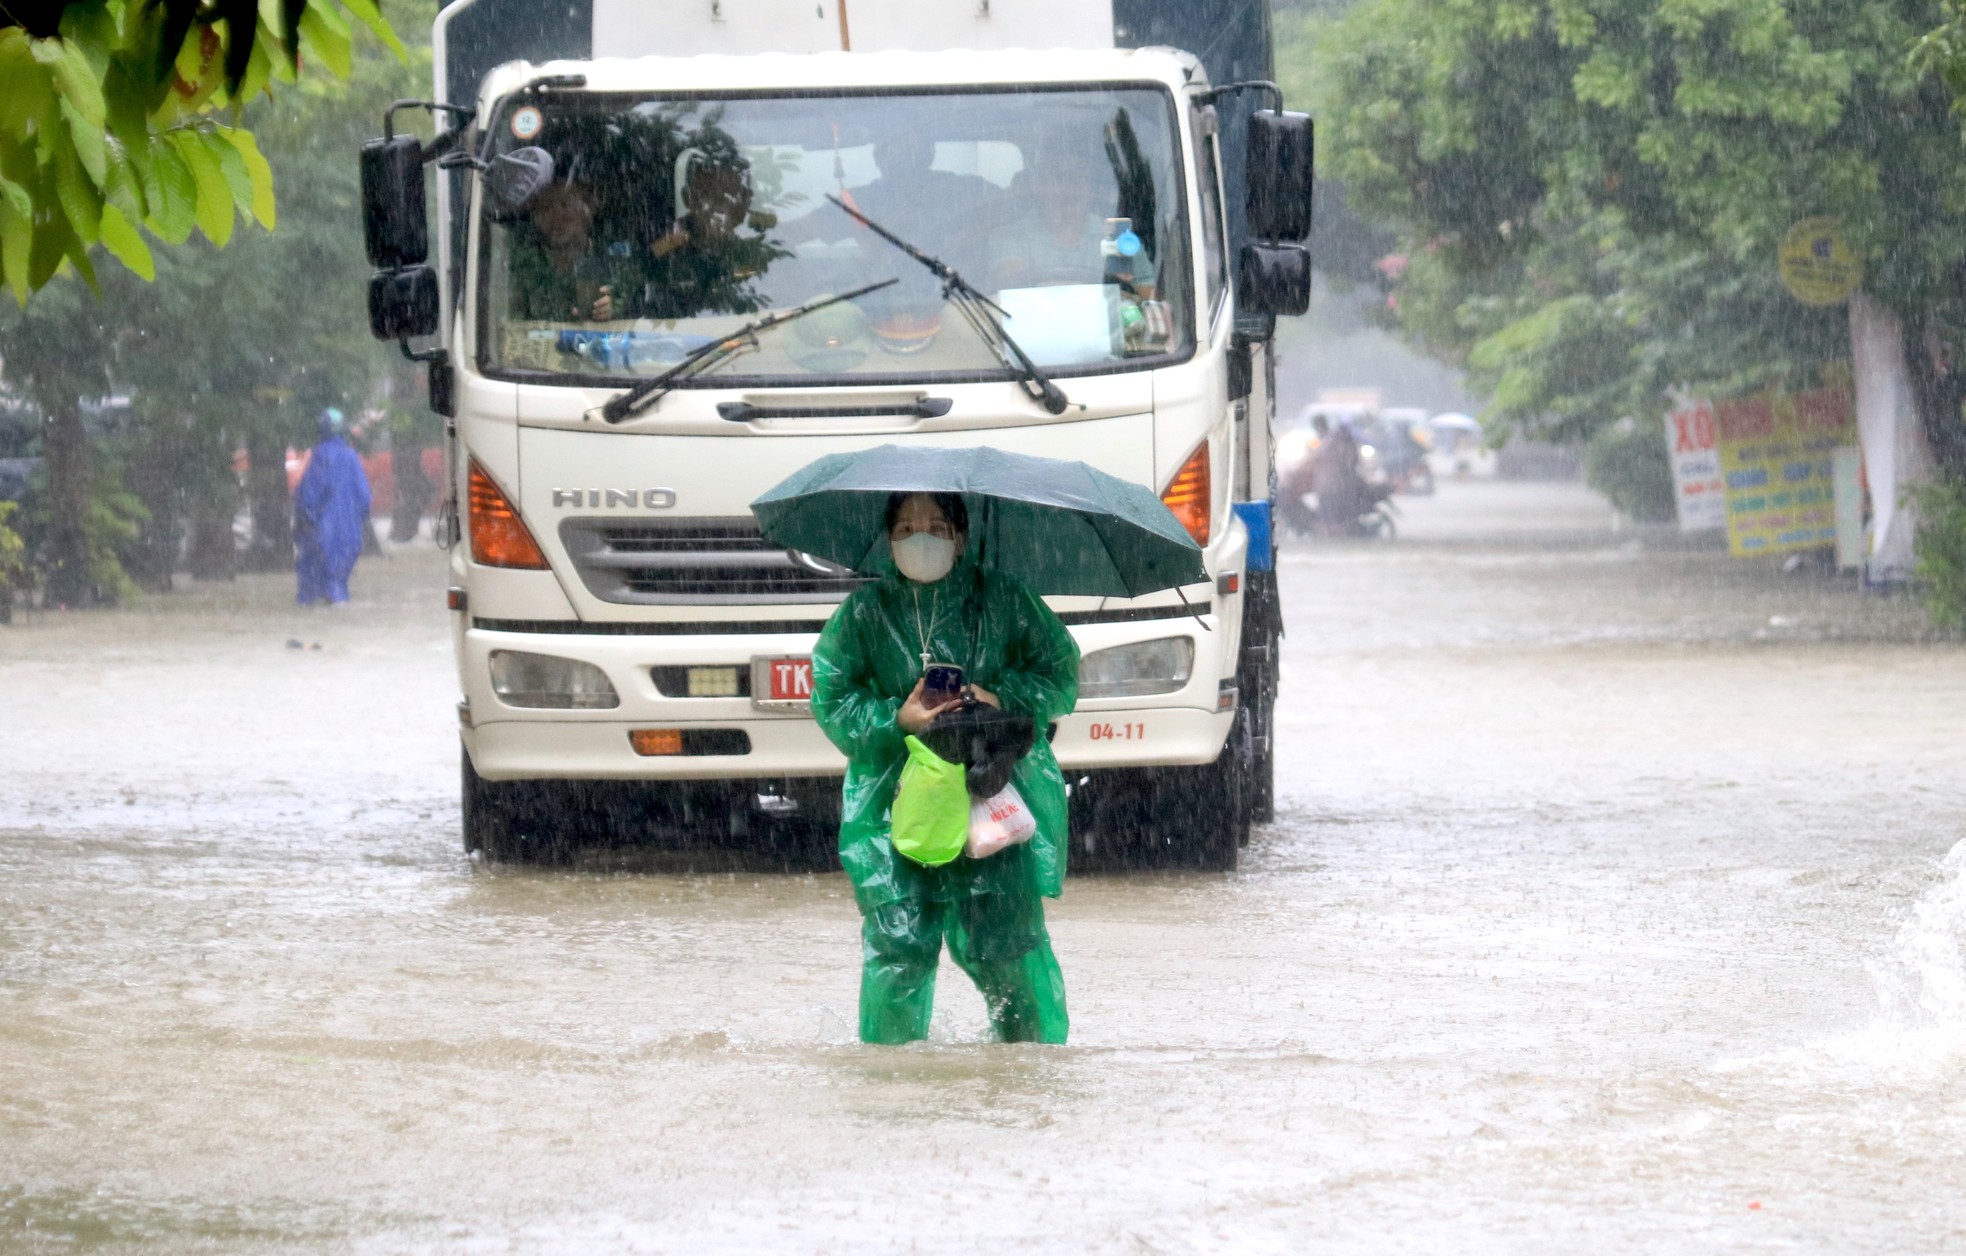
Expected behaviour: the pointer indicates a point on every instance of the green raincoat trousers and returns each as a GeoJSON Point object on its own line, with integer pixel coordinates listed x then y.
{"type": "Point", "coordinates": [988, 910]}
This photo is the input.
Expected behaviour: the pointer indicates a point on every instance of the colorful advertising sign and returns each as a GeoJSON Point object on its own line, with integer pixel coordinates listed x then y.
{"type": "Point", "coordinates": [1777, 458]}
{"type": "Point", "coordinates": [1693, 442]}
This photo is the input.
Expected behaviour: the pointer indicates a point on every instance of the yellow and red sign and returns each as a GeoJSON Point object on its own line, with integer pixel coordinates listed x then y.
{"type": "Point", "coordinates": [1776, 458]}
{"type": "Point", "coordinates": [1816, 264]}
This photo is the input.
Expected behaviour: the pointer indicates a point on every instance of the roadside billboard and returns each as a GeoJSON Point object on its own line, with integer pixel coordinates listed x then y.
{"type": "Point", "coordinates": [1777, 458]}
{"type": "Point", "coordinates": [1693, 442]}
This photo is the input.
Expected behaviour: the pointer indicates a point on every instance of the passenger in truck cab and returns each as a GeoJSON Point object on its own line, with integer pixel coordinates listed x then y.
{"type": "Point", "coordinates": [557, 273]}
{"type": "Point", "coordinates": [943, 213]}
{"type": "Point", "coordinates": [715, 249]}
{"type": "Point", "coordinates": [1063, 227]}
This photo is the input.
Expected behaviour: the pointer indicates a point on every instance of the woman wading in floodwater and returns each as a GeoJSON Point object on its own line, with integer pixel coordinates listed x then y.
{"type": "Point", "coordinates": [867, 674]}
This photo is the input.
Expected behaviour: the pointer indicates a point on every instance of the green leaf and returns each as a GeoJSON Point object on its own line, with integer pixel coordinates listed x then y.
{"type": "Point", "coordinates": [323, 33]}
{"type": "Point", "coordinates": [174, 207]}
{"type": "Point", "coordinates": [52, 242]}
{"type": "Point", "coordinates": [261, 172]}
{"type": "Point", "coordinates": [91, 29]}
{"type": "Point", "coordinates": [289, 24]}
{"type": "Point", "coordinates": [17, 196]}
{"type": "Point", "coordinates": [88, 142]}
{"type": "Point", "coordinates": [130, 102]}
{"type": "Point", "coordinates": [259, 73]}
{"type": "Point", "coordinates": [232, 164]}
{"type": "Point", "coordinates": [26, 88]}
{"type": "Point", "coordinates": [370, 15]}
{"type": "Point", "coordinates": [74, 77]}
{"type": "Point", "coordinates": [241, 33]}
{"type": "Point", "coordinates": [136, 152]}
{"type": "Point", "coordinates": [78, 196]}
{"type": "Point", "coordinates": [125, 242]}
{"type": "Point", "coordinates": [16, 244]}
{"type": "Point", "coordinates": [77, 254]}
{"type": "Point", "coordinates": [124, 186]}
{"type": "Point", "coordinates": [214, 210]}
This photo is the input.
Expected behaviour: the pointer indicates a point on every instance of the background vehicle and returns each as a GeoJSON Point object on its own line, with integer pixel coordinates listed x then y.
{"type": "Point", "coordinates": [1132, 210]}
{"type": "Point", "coordinates": [1458, 449]}
{"type": "Point", "coordinates": [1398, 441]}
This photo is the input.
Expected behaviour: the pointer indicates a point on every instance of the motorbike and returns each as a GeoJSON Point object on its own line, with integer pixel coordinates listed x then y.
{"type": "Point", "coordinates": [1301, 516]}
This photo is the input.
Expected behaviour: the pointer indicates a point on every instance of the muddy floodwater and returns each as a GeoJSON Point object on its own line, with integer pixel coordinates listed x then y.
{"type": "Point", "coordinates": [1608, 909]}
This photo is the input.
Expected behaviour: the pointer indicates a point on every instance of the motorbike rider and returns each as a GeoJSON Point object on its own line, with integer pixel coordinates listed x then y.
{"type": "Point", "coordinates": [1342, 491]}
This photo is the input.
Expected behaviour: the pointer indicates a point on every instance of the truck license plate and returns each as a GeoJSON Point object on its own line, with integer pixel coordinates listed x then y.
{"type": "Point", "coordinates": [781, 682]}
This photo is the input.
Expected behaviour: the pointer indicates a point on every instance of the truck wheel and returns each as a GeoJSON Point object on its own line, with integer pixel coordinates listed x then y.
{"type": "Point", "coordinates": [1262, 789]}
{"type": "Point", "coordinates": [1259, 777]}
{"type": "Point", "coordinates": [1220, 796]}
{"type": "Point", "coordinates": [1256, 681]}
{"type": "Point", "coordinates": [508, 821]}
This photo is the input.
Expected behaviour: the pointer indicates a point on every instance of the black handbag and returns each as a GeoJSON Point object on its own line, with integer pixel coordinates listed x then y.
{"type": "Point", "coordinates": [986, 741]}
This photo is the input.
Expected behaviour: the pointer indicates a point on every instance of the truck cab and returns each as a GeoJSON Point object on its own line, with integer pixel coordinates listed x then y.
{"type": "Point", "coordinates": [617, 615]}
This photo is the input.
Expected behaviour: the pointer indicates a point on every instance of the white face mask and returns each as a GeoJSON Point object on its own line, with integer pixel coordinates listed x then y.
{"type": "Point", "coordinates": [924, 557]}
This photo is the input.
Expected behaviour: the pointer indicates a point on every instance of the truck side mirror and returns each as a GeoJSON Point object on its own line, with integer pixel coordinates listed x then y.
{"type": "Point", "coordinates": [1273, 279]}
{"type": "Point", "coordinates": [403, 303]}
{"type": "Point", "coordinates": [1280, 149]}
{"type": "Point", "coordinates": [394, 225]}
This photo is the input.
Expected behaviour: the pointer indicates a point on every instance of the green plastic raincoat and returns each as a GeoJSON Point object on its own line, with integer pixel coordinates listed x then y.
{"type": "Point", "coordinates": [864, 666]}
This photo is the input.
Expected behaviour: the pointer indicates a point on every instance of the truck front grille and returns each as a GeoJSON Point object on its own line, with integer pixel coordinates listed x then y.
{"type": "Point", "coordinates": [672, 562]}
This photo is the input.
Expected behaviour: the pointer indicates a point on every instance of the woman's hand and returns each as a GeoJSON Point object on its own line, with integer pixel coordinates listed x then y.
{"type": "Point", "coordinates": [915, 715]}
{"type": "Point", "coordinates": [984, 696]}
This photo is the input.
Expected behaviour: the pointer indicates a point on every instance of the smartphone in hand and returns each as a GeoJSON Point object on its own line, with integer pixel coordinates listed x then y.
{"type": "Point", "coordinates": [942, 682]}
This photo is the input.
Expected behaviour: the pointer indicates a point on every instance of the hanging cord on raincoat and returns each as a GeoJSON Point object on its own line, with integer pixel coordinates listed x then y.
{"type": "Point", "coordinates": [935, 617]}
{"type": "Point", "coordinates": [922, 635]}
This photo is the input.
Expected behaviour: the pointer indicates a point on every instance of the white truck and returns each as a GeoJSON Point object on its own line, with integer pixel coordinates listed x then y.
{"type": "Point", "coordinates": [623, 183]}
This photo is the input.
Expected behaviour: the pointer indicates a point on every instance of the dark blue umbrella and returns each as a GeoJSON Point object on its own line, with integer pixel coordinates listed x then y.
{"type": "Point", "coordinates": [1064, 528]}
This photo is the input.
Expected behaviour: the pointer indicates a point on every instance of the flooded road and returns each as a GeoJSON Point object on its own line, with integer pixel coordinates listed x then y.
{"type": "Point", "coordinates": [1608, 909]}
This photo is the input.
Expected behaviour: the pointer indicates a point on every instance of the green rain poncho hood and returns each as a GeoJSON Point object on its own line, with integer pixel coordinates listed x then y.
{"type": "Point", "coordinates": [869, 658]}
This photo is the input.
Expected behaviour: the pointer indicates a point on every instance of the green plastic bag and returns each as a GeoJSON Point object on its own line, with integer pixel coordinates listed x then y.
{"type": "Point", "coordinates": [931, 808]}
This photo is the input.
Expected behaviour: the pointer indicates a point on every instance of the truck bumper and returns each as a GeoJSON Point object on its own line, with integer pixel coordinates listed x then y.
{"type": "Point", "coordinates": [794, 747]}
{"type": "Point", "coordinates": [508, 743]}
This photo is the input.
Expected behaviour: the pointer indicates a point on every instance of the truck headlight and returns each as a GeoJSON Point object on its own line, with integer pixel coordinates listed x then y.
{"type": "Point", "coordinates": [1125, 671]}
{"type": "Point", "coordinates": [540, 680]}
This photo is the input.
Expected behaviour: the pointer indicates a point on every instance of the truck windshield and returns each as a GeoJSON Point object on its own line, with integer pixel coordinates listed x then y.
{"type": "Point", "coordinates": [669, 221]}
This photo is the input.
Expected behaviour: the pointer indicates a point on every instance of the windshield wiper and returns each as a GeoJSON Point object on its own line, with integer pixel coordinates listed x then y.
{"type": "Point", "coordinates": [985, 315]}
{"type": "Point", "coordinates": [705, 356]}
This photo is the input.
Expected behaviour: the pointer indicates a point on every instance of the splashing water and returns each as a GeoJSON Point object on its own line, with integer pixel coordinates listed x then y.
{"type": "Point", "coordinates": [1918, 1033]}
{"type": "Point", "coordinates": [1921, 982]}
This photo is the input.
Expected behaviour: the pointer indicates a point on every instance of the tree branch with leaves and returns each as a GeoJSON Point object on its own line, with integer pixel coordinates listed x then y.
{"type": "Point", "coordinates": [120, 119]}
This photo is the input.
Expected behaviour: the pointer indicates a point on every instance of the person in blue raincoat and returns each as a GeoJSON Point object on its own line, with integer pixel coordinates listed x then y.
{"type": "Point", "coordinates": [331, 507]}
{"type": "Point", "coordinates": [867, 696]}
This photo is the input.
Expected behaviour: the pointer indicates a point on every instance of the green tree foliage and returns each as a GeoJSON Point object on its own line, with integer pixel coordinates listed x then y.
{"type": "Point", "coordinates": [227, 349]}
{"type": "Point", "coordinates": [1627, 463]}
{"type": "Point", "coordinates": [1942, 552]}
{"type": "Point", "coordinates": [13, 561]}
{"type": "Point", "coordinates": [241, 347]}
{"type": "Point", "coordinates": [1943, 52]}
{"type": "Point", "coordinates": [1343, 246]}
{"type": "Point", "coordinates": [120, 118]}
{"type": "Point", "coordinates": [1591, 191]}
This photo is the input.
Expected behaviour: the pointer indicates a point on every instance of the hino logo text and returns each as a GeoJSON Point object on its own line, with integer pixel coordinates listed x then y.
{"type": "Point", "coordinates": [645, 498]}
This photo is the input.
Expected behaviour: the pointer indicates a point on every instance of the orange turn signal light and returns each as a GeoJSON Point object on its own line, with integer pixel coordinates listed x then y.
{"type": "Point", "coordinates": [653, 741]}
{"type": "Point", "coordinates": [1188, 496]}
{"type": "Point", "coordinates": [499, 538]}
